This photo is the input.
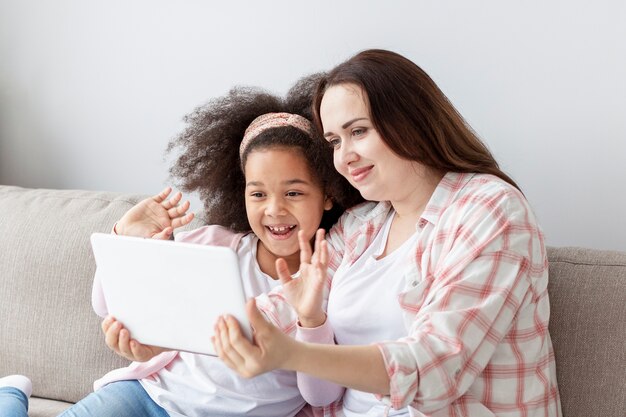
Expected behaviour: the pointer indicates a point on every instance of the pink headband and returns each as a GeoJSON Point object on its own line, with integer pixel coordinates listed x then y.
{"type": "Point", "coordinates": [271, 120]}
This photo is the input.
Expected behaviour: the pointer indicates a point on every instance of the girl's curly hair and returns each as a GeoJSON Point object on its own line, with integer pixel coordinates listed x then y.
{"type": "Point", "coordinates": [209, 161]}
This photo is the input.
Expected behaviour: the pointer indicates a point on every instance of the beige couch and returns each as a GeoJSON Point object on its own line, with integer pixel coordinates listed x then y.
{"type": "Point", "coordinates": [50, 333]}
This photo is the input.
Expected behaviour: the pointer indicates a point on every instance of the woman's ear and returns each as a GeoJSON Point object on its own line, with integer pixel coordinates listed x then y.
{"type": "Point", "coordinates": [328, 203]}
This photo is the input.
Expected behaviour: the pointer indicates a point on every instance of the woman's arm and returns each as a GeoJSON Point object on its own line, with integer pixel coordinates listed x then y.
{"type": "Point", "coordinates": [358, 367]}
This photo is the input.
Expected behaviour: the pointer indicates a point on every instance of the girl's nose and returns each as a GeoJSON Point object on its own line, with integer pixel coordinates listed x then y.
{"type": "Point", "coordinates": [274, 207]}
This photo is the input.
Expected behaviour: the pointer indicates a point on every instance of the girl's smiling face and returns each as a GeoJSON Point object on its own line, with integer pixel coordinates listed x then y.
{"type": "Point", "coordinates": [282, 197]}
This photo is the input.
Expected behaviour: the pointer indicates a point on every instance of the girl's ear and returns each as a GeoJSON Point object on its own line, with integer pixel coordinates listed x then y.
{"type": "Point", "coordinates": [328, 203]}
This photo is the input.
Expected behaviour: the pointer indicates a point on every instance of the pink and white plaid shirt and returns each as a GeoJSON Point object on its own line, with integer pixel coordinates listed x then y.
{"type": "Point", "coordinates": [475, 304]}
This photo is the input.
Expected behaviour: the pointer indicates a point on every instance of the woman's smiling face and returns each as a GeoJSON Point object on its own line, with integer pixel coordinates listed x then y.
{"type": "Point", "coordinates": [360, 154]}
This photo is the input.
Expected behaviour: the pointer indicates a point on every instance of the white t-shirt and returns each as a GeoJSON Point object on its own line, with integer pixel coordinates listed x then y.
{"type": "Point", "coordinates": [194, 385]}
{"type": "Point", "coordinates": [363, 309]}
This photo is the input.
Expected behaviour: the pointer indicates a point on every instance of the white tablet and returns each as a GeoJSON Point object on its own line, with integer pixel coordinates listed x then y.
{"type": "Point", "coordinates": [167, 293]}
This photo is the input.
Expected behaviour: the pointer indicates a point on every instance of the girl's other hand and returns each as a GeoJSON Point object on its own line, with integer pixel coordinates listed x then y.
{"type": "Point", "coordinates": [270, 349]}
{"type": "Point", "coordinates": [155, 217]}
{"type": "Point", "coordinates": [117, 338]}
{"type": "Point", "coordinates": [305, 293]}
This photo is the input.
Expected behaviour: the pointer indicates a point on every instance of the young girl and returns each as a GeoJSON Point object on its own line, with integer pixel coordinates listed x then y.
{"type": "Point", "coordinates": [439, 301]}
{"type": "Point", "coordinates": [256, 163]}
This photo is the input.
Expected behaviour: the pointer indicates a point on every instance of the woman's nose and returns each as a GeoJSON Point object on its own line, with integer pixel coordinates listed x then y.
{"type": "Point", "coordinates": [347, 153]}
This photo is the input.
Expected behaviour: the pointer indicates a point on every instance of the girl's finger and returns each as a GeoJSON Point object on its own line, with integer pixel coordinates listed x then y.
{"type": "Point", "coordinates": [283, 271]}
{"type": "Point", "coordinates": [106, 323]}
{"type": "Point", "coordinates": [319, 238]}
{"type": "Point", "coordinates": [178, 211]}
{"type": "Point", "coordinates": [164, 234]}
{"type": "Point", "coordinates": [124, 343]}
{"type": "Point", "coordinates": [323, 259]}
{"type": "Point", "coordinates": [305, 248]}
{"type": "Point", "coordinates": [112, 336]}
{"type": "Point", "coordinates": [140, 352]}
{"type": "Point", "coordinates": [162, 195]}
{"type": "Point", "coordinates": [172, 202]}
{"type": "Point", "coordinates": [181, 221]}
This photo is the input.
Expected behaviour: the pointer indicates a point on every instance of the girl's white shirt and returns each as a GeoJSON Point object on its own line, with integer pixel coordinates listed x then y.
{"type": "Point", "coordinates": [363, 308]}
{"type": "Point", "coordinates": [194, 385]}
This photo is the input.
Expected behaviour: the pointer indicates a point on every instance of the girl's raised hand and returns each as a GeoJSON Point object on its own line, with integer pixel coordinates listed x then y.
{"type": "Point", "coordinates": [270, 348]}
{"type": "Point", "coordinates": [117, 338]}
{"type": "Point", "coordinates": [155, 217]}
{"type": "Point", "coordinates": [305, 294]}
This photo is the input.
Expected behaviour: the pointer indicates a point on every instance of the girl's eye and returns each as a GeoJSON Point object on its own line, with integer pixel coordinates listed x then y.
{"type": "Point", "coordinates": [257, 194]}
{"type": "Point", "coordinates": [294, 194]}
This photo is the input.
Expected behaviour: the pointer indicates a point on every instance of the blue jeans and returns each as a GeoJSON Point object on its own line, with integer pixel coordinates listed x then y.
{"type": "Point", "coordinates": [118, 399]}
{"type": "Point", "coordinates": [13, 402]}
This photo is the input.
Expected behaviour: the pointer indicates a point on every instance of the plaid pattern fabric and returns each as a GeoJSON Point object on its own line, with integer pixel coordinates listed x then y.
{"type": "Point", "coordinates": [475, 304]}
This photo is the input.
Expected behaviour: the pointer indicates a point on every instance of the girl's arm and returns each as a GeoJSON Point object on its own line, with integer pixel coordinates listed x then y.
{"type": "Point", "coordinates": [155, 217]}
{"type": "Point", "coordinates": [297, 309]}
{"type": "Point", "coordinates": [315, 391]}
{"type": "Point", "coordinates": [118, 339]}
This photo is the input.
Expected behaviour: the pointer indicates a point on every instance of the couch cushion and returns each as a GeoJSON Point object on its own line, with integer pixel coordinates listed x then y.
{"type": "Point", "coordinates": [49, 331]}
{"type": "Point", "coordinates": [587, 292]}
{"type": "Point", "coordinates": [41, 407]}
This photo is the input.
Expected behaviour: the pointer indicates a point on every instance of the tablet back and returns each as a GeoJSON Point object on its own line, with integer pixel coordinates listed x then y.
{"type": "Point", "coordinates": [167, 293]}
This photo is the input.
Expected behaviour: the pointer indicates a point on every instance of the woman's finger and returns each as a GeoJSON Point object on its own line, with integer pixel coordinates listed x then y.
{"type": "Point", "coordinates": [217, 344]}
{"type": "Point", "coordinates": [228, 350]}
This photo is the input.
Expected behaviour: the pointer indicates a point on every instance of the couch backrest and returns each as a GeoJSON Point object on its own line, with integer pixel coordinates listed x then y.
{"type": "Point", "coordinates": [49, 331]}
{"type": "Point", "coordinates": [587, 290]}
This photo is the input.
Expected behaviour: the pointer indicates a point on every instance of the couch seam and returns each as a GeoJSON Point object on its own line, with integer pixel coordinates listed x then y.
{"type": "Point", "coordinates": [583, 263]}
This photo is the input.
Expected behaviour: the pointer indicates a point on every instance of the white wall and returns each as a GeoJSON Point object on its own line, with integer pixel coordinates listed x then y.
{"type": "Point", "coordinates": [92, 91]}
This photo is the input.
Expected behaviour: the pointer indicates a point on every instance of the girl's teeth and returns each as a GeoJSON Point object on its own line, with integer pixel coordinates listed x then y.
{"type": "Point", "coordinates": [280, 229]}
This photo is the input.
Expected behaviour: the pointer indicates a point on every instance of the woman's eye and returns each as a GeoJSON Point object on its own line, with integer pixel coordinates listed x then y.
{"type": "Point", "coordinates": [256, 195]}
{"type": "Point", "coordinates": [334, 142]}
{"type": "Point", "coordinates": [358, 132]}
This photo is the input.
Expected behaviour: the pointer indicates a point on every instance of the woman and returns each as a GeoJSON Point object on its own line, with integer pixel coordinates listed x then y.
{"type": "Point", "coordinates": [436, 295]}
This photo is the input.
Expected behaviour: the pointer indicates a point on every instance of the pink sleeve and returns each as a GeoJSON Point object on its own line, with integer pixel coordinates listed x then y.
{"type": "Point", "coordinates": [317, 392]}
{"type": "Point", "coordinates": [97, 297]}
